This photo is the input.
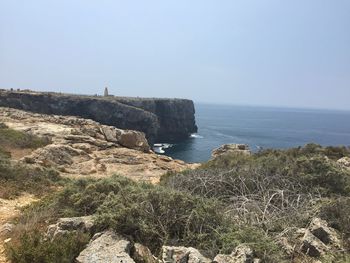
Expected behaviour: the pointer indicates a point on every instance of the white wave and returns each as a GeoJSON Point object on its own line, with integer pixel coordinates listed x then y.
{"type": "Point", "coordinates": [194, 135]}
{"type": "Point", "coordinates": [160, 147]}
{"type": "Point", "coordinates": [167, 145]}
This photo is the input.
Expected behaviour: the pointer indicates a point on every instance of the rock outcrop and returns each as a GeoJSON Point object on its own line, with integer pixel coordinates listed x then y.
{"type": "Point", "coordinates": [231, 149]}
{"type": "Point", "coordinates": [142, 254]}
{"type": "Point", "coordinates": [63, 226]}
{"type": "Point", "coordinates": [182, 254]}
{"type": "Point", "coordinates": [107, 247]}
{"type": "Point", "coordinates": [81, 147]}
{"type": "Point", "coordinates": [241, 254]}
{"type": "Point", "coordinates": [318, 239]}
{"type": "Point", "coordinates": [160, 119]}
{"type": "Point", "coordinates": [345, 162]}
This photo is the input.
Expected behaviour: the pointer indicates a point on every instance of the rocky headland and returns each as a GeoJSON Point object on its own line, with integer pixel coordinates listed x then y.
{"type": "Point", "coordinates": [162, 120]}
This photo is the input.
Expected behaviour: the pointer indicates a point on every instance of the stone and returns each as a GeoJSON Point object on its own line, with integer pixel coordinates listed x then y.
{"type": "Point", "coordinates": [171, 254]}
{"type": "Point", "coordinates": [231, 148]}
{"type": "Point", "coordinates": [221, 258]}
{"type": "Point", "coordinates": [106, 248]}
{"type": "Point", "coordinates": [320, 229]}
{"type": "Point", "coordinates": [66, 225]}
{"type": "Point", "coordinates": [109, 133]}
{"type": "Point", "coordinates": [313, 246]}
{"type": "Point", "coordinates": [241, 254]}
{"type": "Point", "coordinates": [134, 140]}
{"type": "Point", "coordinates": [142, 254]}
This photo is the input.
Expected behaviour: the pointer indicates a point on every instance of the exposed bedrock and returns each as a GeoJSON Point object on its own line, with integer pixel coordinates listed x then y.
{"type": "Point", "coordinates": [160, 119]}
{"type": "Point", "coordinates": [176, 116]}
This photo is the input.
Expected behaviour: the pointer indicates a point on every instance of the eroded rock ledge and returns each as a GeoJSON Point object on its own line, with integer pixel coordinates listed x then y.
{"type": "Point", "coordinates": [160, 119]}
{"type": "Point", "coordinates": [83, 147]}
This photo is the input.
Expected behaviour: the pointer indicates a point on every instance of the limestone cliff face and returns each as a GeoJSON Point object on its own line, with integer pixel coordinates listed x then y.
{"type": "Point", "coordinates": [160, 119]}
{"type": "Point", "coordinates": [176, 116]}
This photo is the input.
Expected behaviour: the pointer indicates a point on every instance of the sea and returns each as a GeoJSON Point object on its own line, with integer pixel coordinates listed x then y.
{"type": "Point", "coordinates": [260, 128]}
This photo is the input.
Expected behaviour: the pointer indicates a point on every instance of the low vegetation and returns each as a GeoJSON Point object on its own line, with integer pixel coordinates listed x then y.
{"type": "Point", "coordinates": [15, 177]}
{"type": "Point", "coordinates": [10, 138]}
{"type": "Point", "coordinates": [34, 247]}
{"type": "Point", "coordinates": [228, 201]}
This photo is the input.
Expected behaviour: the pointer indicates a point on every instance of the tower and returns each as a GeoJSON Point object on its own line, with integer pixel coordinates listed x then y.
{"type": "Point", "coordinates": [105, 92]}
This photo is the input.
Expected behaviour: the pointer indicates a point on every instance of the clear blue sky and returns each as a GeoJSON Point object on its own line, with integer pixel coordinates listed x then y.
{"type": "Point", "coordinates": [292, 53]}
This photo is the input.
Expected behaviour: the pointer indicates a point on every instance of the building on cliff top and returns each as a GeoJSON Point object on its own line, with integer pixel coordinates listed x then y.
{"type": "Point", "coordinates": [105, 94]}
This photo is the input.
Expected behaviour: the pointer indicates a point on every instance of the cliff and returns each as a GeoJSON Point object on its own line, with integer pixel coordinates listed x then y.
{"type": "Point", "coordinates": [160, 119]}
{"type": "Point", "coordinates": [176, 117]}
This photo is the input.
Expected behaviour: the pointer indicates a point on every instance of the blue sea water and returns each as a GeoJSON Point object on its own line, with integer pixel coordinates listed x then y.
{"type": "Point", "coordinates": [261, 127]}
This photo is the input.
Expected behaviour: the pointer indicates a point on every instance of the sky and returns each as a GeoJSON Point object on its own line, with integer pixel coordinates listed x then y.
{"type": "Point", "coordinates": [292, 53]}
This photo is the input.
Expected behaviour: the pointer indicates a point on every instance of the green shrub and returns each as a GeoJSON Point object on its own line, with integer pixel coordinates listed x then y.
{"type": "Point", "coordinates": [19, 139]}
{"type": "Point", "coordinates": [269, 170]}
{"type": "Point", "coordinates": [33, 247]}
{"type": "Point", "coordinates": [83, 197]}
{"type": "Point", "coordinates": [337, 214]}
{"type": "Point", "coordinates": [16, 178]}
{"type": "Point", "coordinates": [263, 245]}
{"type": "Point", "coordinates": [155, 216]}
{"type": "Point", "coordinates": [332, 152]}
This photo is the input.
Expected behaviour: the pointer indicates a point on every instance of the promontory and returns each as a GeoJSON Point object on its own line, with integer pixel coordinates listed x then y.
{"type": "Point", "coordinates": [162, 120]}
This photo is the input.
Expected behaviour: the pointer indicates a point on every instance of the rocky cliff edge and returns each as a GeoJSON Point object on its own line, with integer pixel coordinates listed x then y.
{"type": "Point", "coordinates": [83, 147]}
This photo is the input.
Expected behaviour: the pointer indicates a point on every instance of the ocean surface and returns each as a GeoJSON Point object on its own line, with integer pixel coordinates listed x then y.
{"type": "Point", "coordinates": [261, 127]}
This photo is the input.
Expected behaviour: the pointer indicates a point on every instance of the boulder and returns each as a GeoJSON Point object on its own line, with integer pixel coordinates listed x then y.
{"type": "Point", "coordinates": [231, 148]}
{"type": "Point", "coordinates": [106, 248]}
{"type": "Point", "coordinates": [241, 254]}
{"type": "Point", "coordinates": [320, 229]}
{"type": "Point", "coordinates": [313, 246]}
{"type": "Point", "coordinates": [172, 254]}
{"type": "Point", "coordinates": [66, 225]}
{"type": "Point", "coordinates": [319, 238]}
{"type": "Point", "coordinates": [109, 133]}
{"type": "Point", "coordinates": [134, 140]}
{"type": "Point", "coordinates": [142, 254]}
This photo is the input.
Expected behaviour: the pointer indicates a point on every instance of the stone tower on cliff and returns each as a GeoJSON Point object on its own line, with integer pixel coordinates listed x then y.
{"type": "Point", "coordinates": [105, 92]}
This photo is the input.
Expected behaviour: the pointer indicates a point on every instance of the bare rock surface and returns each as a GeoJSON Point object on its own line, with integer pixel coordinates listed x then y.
{"type": "Point", "coordinates": [142, 254]}
{"type": "Point", "coordinates": [107, 248]}
{"type": "Point", "coordinates": [316, 240]}
{"type": "Point", "coordinates": [241, 254]}
{"type": "Point", "coordinates": [67, 225]}
{"type": "Point", "coordinates": [172, 254]}
{"type": "Point", "coordinates": [83, 147]}
{"type": "Point", "coordinates": [345, 162]}
{"type": "Point", "coordinates": [319, 238]}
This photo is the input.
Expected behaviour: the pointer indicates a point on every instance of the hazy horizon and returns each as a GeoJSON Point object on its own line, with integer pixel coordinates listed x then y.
{"type": "Point", "coordinates": [293, 54]}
